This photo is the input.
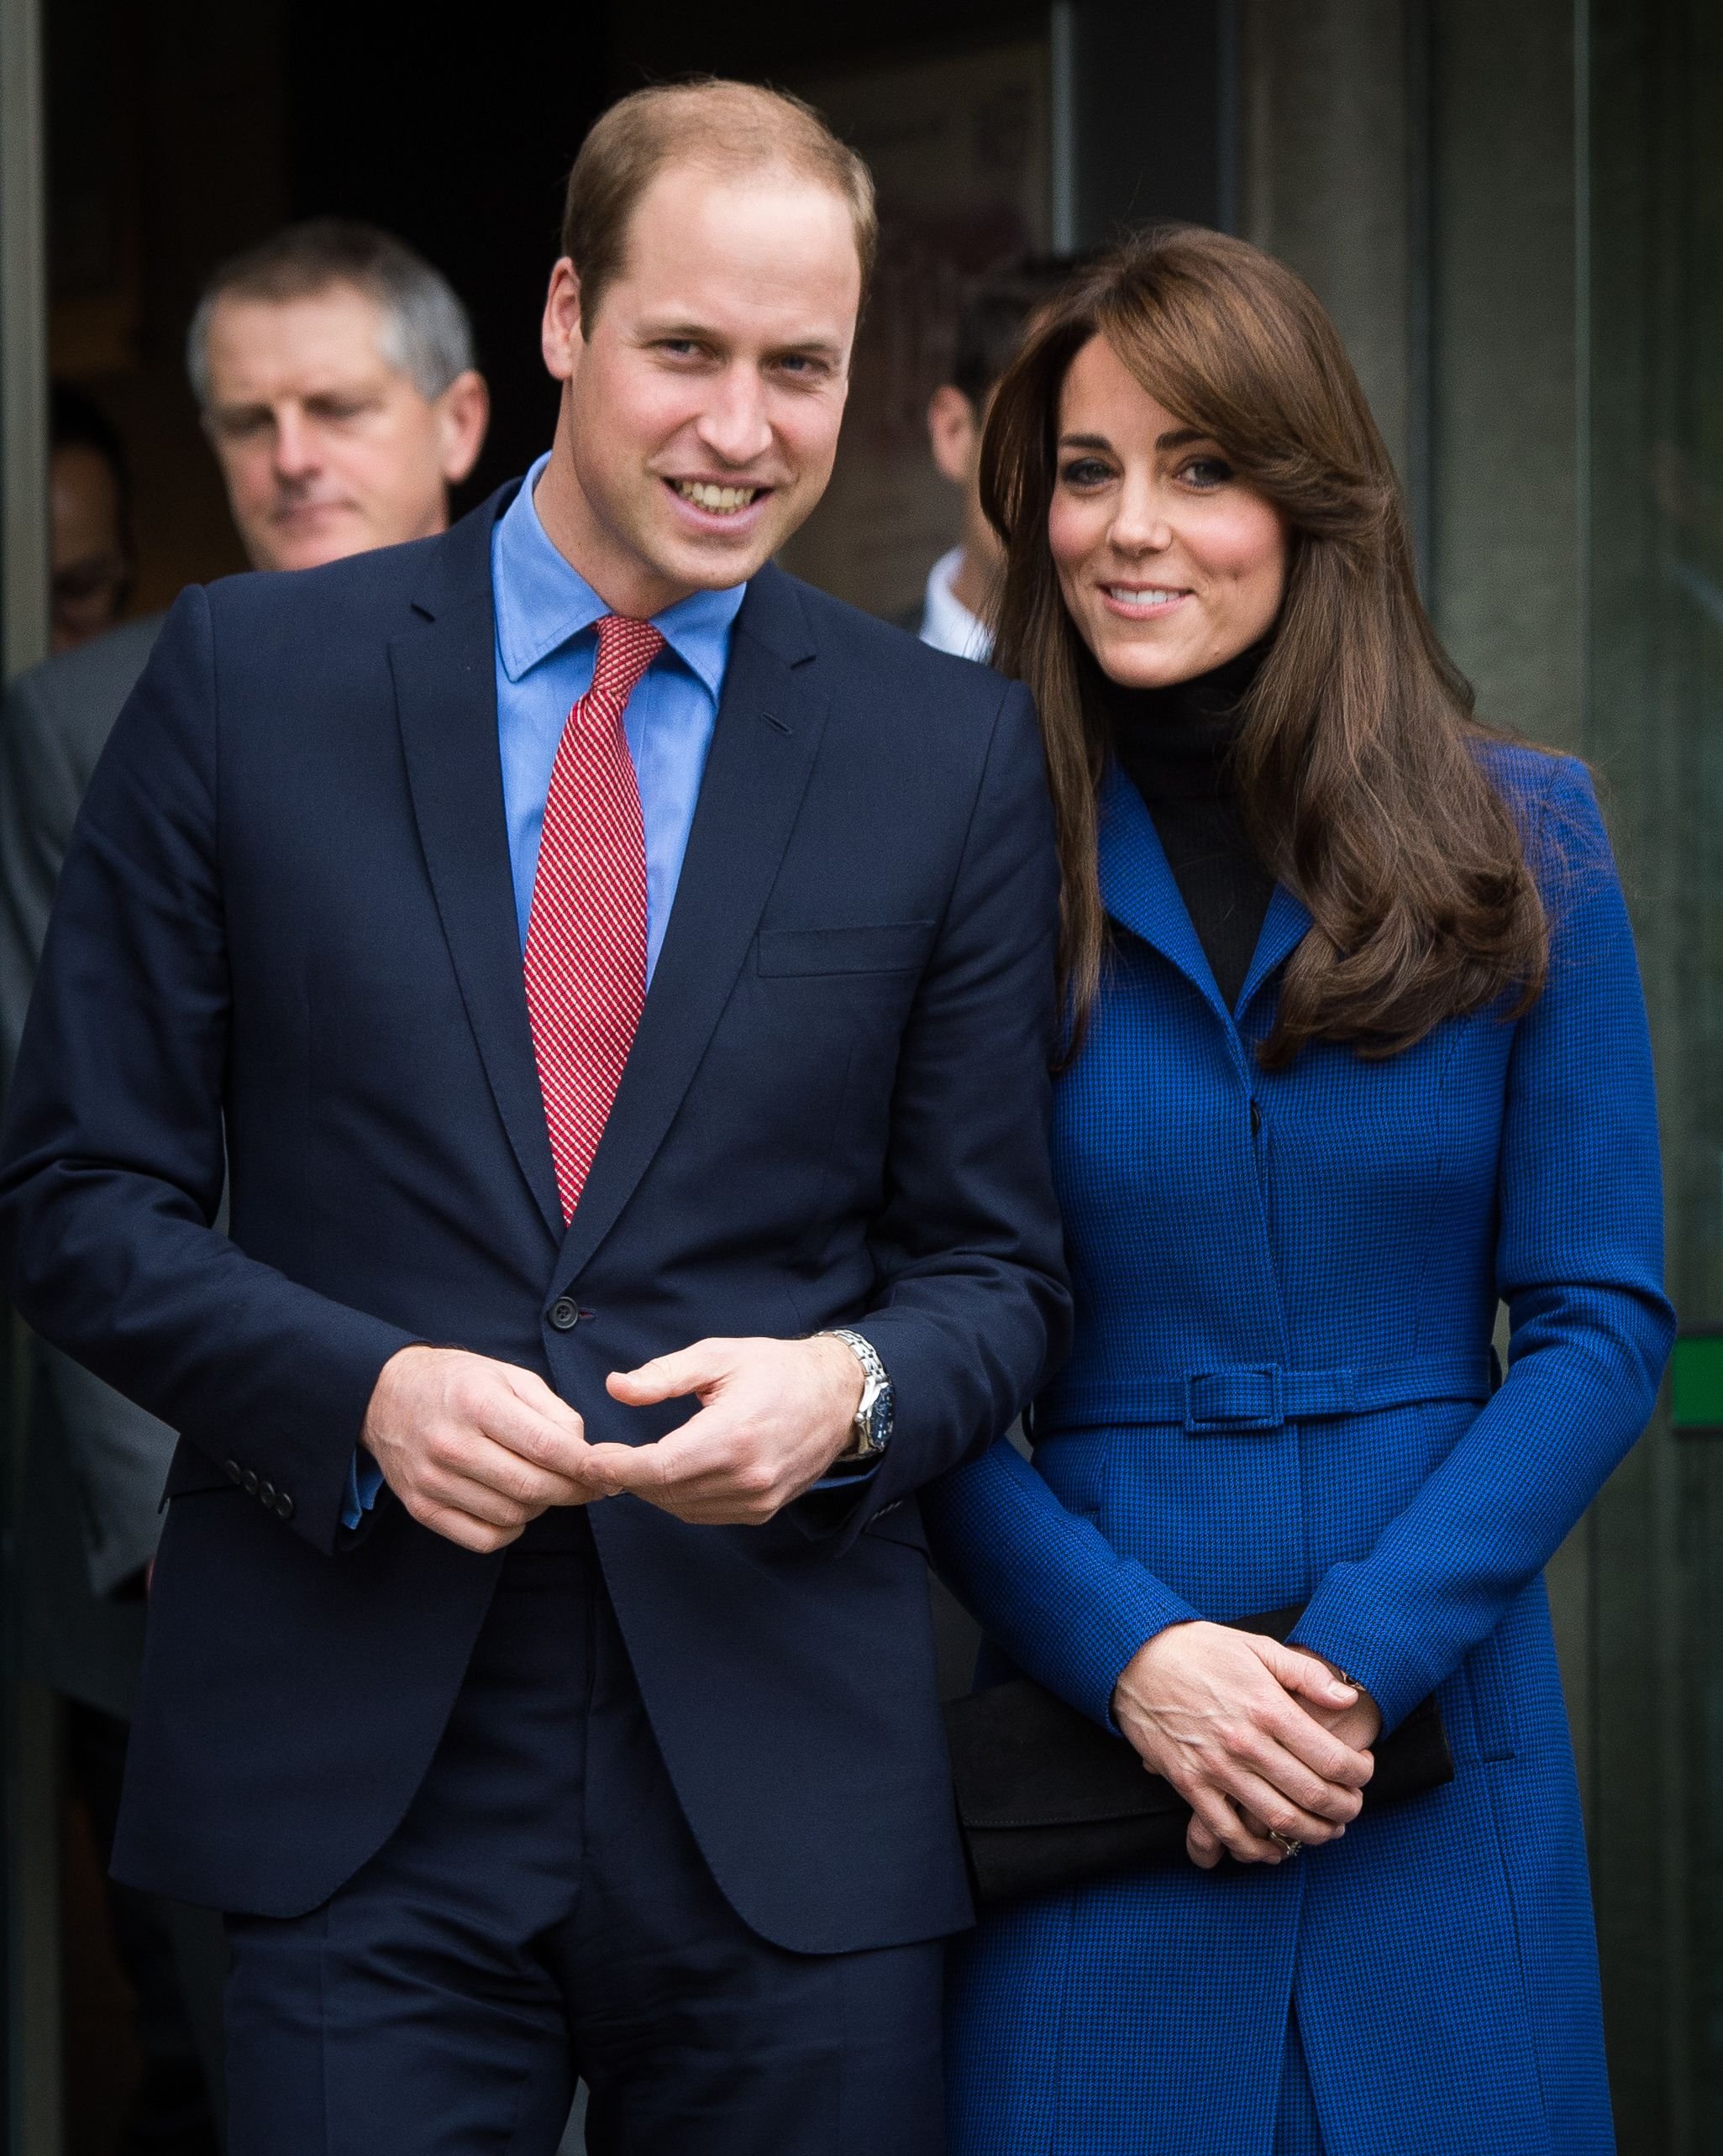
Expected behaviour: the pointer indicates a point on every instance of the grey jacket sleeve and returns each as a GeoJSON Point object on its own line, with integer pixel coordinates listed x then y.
{"type": "Point", "coordinates": [56, 720]}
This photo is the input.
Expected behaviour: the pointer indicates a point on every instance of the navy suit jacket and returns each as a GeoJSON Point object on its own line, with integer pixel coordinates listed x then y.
{"type": "Point", "coordinates": [285, 932]}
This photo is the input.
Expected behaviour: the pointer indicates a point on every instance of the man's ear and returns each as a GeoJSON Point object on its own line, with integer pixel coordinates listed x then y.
{"type": "Point", "coordinates": [463, 416]}
{"type": "Point", "coordinates": [561, 336]}
{"type": "Point", "coordinates": [954, 434]}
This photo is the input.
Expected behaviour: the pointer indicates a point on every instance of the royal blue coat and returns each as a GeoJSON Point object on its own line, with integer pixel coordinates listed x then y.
{"type": "Point", "coordinates": [1282, 1392]}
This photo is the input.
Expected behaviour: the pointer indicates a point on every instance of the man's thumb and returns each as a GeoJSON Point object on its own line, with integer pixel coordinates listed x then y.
{"type": "Point", "coordinates": [665, 1377]}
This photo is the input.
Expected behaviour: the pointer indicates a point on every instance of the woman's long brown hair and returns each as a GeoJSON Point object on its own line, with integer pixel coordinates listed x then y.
{"type": "Point", "coordinates": [1357, 765]}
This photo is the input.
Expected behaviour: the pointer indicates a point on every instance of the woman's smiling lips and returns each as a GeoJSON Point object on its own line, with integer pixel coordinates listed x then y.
{"type": "Point", "coordinates": [1142, 602]}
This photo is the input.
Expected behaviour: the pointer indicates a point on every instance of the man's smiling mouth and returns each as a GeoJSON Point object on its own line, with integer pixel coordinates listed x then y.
{"type": "Point", "coordinates": [718, 501]}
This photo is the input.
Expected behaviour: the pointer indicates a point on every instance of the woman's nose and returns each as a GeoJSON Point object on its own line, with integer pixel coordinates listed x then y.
{"type": "Point", "coordinates": [1140, 522]}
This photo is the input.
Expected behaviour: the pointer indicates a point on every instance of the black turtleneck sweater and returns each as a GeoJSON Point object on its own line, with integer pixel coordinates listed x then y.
{"type": "Point", "coordinates": [1176, 747]}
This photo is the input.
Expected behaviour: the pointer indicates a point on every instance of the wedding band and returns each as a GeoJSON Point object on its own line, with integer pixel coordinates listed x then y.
{"type": "Point", "coordinates": [1286, 1842]}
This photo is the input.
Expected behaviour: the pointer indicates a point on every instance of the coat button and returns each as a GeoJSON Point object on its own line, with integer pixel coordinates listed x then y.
{"type": "Point", "coordinates": [248, 1482]}
{"type": "Point", "coordinates": [231, 1468]}
{"type": "Point", "coordinates": [565, 1315]}
{"type": "Point", "coordinates": [266, 1491]}
{"type": "Point", "coordinates": [284, 1506]}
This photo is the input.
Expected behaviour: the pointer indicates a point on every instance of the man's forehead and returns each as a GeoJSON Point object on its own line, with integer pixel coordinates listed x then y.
{"type": "Point", "coordinates": [315, 339]}
{"type": "Point", "coordinates": [700, 238]}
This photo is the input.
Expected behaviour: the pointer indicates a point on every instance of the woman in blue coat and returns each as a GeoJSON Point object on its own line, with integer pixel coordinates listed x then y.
{"type": "Point", "coordinates": [1359, 1050]}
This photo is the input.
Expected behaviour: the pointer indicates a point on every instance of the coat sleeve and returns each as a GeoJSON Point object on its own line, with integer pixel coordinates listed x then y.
{"type": "Point", "coordinates": [1046, 1584]}
{"type": "Point", "coordinates": [112, 1161]}
{"type": "Point", "coordinates": [1580, 1263]}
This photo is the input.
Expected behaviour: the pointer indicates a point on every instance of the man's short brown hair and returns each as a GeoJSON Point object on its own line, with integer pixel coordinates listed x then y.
{"type": "Point", "coordinates": [727, 127]}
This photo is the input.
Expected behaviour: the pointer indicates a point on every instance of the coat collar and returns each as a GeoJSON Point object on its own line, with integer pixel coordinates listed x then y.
{"type": "Point", "coordinates": [1138, 890]}
{"type": "Point", "coordinates": [769, 721]}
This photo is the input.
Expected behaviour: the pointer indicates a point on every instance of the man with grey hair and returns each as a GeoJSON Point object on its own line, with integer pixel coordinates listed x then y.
{"type": "Point", "coordinates": [333, 368]}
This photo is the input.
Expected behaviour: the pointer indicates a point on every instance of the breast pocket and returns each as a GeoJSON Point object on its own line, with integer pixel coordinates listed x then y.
{"type": "Point", "coordinates": [898, 946]}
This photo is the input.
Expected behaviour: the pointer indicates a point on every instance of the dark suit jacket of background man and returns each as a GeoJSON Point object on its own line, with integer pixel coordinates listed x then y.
{"type": "Point", "coordinates": [289, 899]}
{"type": "Point", "coordinates": [94, 1463]}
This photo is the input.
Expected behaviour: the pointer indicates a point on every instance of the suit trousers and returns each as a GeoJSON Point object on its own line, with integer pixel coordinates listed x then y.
{"type": "Point", "coordinates": [543, 1912]}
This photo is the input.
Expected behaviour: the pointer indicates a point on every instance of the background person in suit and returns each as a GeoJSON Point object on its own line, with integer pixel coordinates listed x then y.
{"type": "Point", "coordinates": [335, 369]}
{"type": "Point", "coordinates": [1360, 1048]}
{"type": "Point", "coordinates": [962, 584]}
{"type": "Point", "coordinates": [495, 1780]}
{"type": "Point", "coordinates": [91, 559]}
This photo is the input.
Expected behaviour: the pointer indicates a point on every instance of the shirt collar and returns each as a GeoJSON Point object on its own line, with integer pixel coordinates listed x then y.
{"type": "Point", "coordinates": [543, 601]}
{"type": "Point", "coordinates": [947, 623]}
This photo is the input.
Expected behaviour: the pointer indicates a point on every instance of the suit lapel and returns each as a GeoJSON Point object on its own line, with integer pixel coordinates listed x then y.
{"type": "Point", "coordinates": [770, 723]}
{"type": "Point", "coordinates": [445, 692]}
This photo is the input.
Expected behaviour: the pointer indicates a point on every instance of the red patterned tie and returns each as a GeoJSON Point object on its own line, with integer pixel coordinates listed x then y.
{"type": "Point", "coordinates": [587, 932]}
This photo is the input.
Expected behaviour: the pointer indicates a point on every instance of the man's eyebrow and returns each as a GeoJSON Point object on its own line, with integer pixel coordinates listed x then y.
{"type": "Point", "coordinates": [696, 333]}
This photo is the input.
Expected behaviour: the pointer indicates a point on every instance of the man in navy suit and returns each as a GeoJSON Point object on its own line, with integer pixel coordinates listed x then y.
{"type": "Point", "coordinates": [618, 982]}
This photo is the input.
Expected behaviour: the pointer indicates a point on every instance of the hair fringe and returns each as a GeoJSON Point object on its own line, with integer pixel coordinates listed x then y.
{"type": "Point", "coordinates": [1358, 761]}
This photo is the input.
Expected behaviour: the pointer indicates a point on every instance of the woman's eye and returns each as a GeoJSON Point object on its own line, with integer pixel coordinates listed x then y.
{"type": "Point", "coordinates": [1085, 471]}
{"type": "Point", "coordinates": [1206, 472]}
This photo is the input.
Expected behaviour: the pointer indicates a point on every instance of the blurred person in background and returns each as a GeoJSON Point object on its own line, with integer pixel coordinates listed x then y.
{"type": "Point", "coordinates": [957, 611]}
{"type": "Point", "coordinates": [333, 368]}
{"type": "Point", "coordinates": [90, 524]}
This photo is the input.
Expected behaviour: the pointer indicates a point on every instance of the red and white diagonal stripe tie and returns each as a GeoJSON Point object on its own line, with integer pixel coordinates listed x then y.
{"type": "Point", "coordinates": [587, 932]}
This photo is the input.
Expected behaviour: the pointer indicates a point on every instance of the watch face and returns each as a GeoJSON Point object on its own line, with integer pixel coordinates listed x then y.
{"type": "Point", "coordinates": [878, 1420]}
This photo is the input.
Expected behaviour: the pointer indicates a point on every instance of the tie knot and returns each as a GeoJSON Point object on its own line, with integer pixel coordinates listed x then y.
{"type": "Point", "coordinates": [626, 649]}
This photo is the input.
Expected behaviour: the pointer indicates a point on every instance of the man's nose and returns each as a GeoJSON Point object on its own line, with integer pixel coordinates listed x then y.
{"type": "Point", "coordinates": [296, 455]}
{"type": "Point", "coordinates": [734, 426]}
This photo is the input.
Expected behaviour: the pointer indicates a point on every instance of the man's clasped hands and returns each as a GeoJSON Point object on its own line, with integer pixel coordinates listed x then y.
{"type": "Point", "coordinates": [1262, 1740]}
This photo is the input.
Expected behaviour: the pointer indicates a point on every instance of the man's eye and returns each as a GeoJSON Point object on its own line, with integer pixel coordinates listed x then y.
{"type": "Point", "coordinates": [681, 348]}
{"type": "Point", "coordinates": [1085, 471]}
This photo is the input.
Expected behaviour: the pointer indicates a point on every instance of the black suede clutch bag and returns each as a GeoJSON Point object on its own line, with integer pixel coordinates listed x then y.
{"type": "Point", "coordinates": [1047, 1799]}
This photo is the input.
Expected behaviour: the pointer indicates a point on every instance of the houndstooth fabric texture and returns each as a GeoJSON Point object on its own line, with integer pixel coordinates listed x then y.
{"type": "Point", "coordinates": [1254, 1242]}
{"type": "Point", "coordinates": [585, 957]}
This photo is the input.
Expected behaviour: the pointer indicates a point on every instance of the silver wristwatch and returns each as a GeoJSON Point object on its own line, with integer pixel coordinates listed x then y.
{"type": "Point", "coordinates": [871, 1430]}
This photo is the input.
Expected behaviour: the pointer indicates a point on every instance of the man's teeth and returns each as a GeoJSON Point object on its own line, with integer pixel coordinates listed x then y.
{"type": "Point", "coordinates": [723, 499]}
{"type": "Point", "coordinates": [1125, 594]}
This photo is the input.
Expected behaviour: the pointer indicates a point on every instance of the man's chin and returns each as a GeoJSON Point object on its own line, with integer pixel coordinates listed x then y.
{"type": "Point", "coordinates": [716, 562]}
{"type": "Point", "coordinates": [312, 543]}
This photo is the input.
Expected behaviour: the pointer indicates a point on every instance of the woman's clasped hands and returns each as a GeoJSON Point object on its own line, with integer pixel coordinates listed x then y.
{"type": "Point", "coordinates": [1261, 1740]}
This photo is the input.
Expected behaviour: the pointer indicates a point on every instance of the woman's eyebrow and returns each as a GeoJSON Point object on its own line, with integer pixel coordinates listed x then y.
{"type": "Point", "coordinates": [1180, 437]}
{"type": "Point", "coordinates": [1085, 441]}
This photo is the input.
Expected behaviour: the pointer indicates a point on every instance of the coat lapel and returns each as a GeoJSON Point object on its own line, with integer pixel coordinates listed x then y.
{"type": "Point", "coordinates": [769, 721]}
{"type": "Point", "coordinates": [445, 692]}
{"type": "Point", "coordinates": [1285, 927]}
{"type": "Point", "coordinates": [1139, 891]}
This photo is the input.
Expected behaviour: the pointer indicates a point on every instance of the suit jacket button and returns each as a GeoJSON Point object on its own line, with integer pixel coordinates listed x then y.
{"type": "Point", "coordinates": [231, 1468]}
{"type": "Point", "coordinates": [284, 1506]}
{"type": "Point", "coordinates": [248, 1482]}
{"type": "Point", "coordinates": [266, 1491]}
{"type": "Point", "coordinates": [565, 1315]}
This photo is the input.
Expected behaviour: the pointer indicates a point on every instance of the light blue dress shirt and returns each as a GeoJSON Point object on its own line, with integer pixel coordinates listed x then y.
{"type": "Point", "coordinates": [547, 645]}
